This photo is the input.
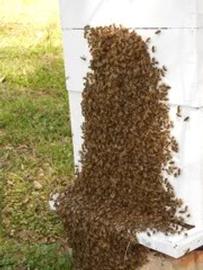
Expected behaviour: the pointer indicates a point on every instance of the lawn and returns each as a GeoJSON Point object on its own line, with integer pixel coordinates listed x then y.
{"type": "Point", "coordinates": [35, 137]}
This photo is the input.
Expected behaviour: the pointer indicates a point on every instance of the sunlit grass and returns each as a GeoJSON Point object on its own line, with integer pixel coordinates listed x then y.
{"type": "Point", "coordinates": [35, 256]}
{"type": "Point", "coordinates": [34, 12]}
{"type": "Point", "coordinates": [35, 136]}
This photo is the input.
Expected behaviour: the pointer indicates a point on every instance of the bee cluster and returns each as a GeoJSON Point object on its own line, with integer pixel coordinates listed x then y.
{"type": "Point", "coordinates": [121, 188]}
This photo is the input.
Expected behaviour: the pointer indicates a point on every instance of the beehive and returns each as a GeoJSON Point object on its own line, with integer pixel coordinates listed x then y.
{"type": "Point", "coordinates": [179, 47]}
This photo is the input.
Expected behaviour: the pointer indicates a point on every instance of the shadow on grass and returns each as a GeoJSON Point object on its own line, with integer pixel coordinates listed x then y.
{"type": "Point", "coordinates": [41, 256]}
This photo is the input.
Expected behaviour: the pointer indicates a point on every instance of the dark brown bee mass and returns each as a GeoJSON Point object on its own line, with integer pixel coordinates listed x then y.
{"type": "Point", "coordinates": [121, 189]}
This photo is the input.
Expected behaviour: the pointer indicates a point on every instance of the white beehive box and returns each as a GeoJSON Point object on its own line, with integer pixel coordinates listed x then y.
{"type": "Point", "coordinates": [180, 48]}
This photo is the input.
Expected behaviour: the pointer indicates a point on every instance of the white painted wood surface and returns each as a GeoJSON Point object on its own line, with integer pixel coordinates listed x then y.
{"type": "Point", "coordinates": [132, 13]}
{"type": "Point", "coordinates": [76, 122]}
{"type": "Point", "coordinates": [180, 48]}
{"type": "Point", "coordinates": [175, 245]}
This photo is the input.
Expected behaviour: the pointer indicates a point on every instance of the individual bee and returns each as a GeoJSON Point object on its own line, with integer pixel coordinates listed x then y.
{"type": "Point", "coordinates": [171, 162]}
{"type": "Point", "coordinates": [148, 40]}
{"type": "Point", "coordinates": [186, 119]}
{"type": "Point", "coordinates": [164, 68]}
{"type": "Point", "coordinates": [154, 61]}
{"type": "Point", "coordinates": [153, 49]}
{"type": "Point", "coordinates": [158, 32]}
{"type": "Point", "coordinates": [162, 73]}
{"type": "Point", "coordinates": [87, 27]}
{"type": "Point", "coordinates": [179, 172]}
{"type": "Point", "coordinates": [178, 113]}
{"type": "Point", "coordinates": [184, 210]}
{"type": "Point", "coordinates": [83, 58]}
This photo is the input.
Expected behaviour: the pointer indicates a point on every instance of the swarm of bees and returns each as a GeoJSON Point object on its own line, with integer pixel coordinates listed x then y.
{"type": "Point", "coordinates": [121, 189]}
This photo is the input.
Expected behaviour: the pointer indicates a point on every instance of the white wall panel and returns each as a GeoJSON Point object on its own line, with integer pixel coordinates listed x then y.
{"type": "Point", "coordinates": [130, 13]}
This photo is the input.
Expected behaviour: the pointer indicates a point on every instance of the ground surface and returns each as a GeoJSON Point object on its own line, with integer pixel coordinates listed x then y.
{"type": "Point", "coordinates": [35, 136]}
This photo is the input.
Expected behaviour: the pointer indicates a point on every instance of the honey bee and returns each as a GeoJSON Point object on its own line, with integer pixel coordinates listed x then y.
{"type": "Point", "coordinates": [83, 58]}
{"type": "Point", "coordinates": [162, 73]}
{"type": "Point", "coordinates": [171, 162]}
{"type": "Point", "coordinates": [178, 113]}
{"type": "Point", "coordinates": [154, 61]}
{"type": "Point", "coordinates": [158, 32]}
{"type": "Point", "coordinates": [148, 40]}
{"type": "Point", "coordinates": [186, 119]}
{"type": "Point", "coordinates": [179, 171]}
{"type": "Point", "coordinates": [153, 49]}
{"type": "Point", "coordinates": [184, 210]}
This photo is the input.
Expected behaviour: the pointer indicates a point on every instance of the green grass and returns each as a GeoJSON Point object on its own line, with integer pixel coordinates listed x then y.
{"type": "Point", "coordinates": [35, 138]}
{"type": "Point", "coordinates": [32, 257]}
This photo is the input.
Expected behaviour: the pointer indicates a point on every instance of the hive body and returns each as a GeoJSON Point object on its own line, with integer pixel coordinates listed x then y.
{"type": "Point", "coordinates": [179, 47]}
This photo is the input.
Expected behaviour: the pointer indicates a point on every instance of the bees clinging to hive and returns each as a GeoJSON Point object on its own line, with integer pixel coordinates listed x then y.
{"type": "Point", "coordinates": [127, 145]}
